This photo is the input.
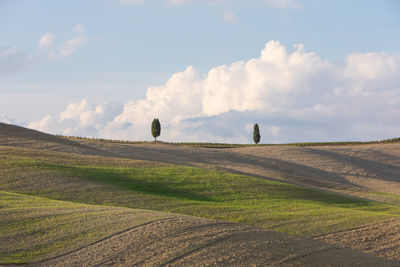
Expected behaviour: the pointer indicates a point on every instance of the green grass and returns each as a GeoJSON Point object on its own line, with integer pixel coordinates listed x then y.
{"type": "Point", "coordinates": [34, 228]}
{"type": "Point", "coordinates": [187, 190]}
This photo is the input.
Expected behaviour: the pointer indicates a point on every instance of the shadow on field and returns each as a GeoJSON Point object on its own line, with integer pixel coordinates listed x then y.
{"type": "Point", "coordinates": [186, 183]}
{"type": "Point", "coordinates": [127, 180]}
{"type": "Point", "coordinates": [229, 161]}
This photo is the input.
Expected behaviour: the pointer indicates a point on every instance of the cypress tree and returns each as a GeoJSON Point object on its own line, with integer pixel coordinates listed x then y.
{"type": "Point", "coordinates": [256, 134]}
{"type": "Point", "coordinates": [155, 128]}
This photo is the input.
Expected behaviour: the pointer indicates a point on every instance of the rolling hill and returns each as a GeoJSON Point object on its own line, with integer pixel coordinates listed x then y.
{"type": "Point", "coordinates": [67, 201]}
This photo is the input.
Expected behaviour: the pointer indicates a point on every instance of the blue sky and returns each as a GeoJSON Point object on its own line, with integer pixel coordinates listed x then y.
{"type": "Point", "coordinates": [108, 53]}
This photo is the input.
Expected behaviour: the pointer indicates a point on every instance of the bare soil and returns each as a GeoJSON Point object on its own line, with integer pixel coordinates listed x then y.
{"type": "Point", "coordinates": [380, 239]}
{"type": "Point", "coordinates": [11, 135]}
{"type": "Point", "coordinates": [189, 241]}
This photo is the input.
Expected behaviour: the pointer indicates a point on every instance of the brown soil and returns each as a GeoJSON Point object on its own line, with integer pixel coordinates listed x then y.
{"type": "Point", "coordinates": [189, 241]}
{"type": "Point", "coordinates": [380, 239]}
{"type": "Point", "coordinates": [11, 135]}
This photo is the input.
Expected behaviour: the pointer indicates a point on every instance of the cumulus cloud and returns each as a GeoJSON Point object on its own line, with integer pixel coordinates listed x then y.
{"type": "Point", "coordinates": [288, 4]}
{"type": "Point", "coordinates": [228, 16]}
{"type": "Point", "coordinates": [13, 59]}
{"type": "Point", "coordinates": [371, 66]}
{"type": "Point", "coordinates": [293, 95]}
{"type": "Point", "coordinates": [79, 119]}
{"type": "Point", "coordinates": [66, 48]}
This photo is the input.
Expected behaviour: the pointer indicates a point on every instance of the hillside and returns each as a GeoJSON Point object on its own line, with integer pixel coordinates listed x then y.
{"type": "Point", "coordinates": [50, 185]}
{"type": "Point", "coordinates": [17, 136]}
{"type": "Point", "coordinates": [59, 233]}
{"type": "Point", "coordinates": [368, 171]}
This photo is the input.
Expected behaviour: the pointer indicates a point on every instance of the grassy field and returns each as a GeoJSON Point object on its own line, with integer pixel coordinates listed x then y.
{"type": "Point", "coordinates": [34, 228]}
{"type": "Point", "coordinates": [185, 190]}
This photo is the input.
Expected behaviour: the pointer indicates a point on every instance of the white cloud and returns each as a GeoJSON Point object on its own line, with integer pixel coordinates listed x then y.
{"type": "Point", "coordinates": [288, 4]}
{"type": "Point", "coordinates": [228, 16]}
{"type": "Point", "coordinates": [293, 95]}
{"type": "Point", "coordinates": [13, 59]}
{"type": "Point", "coordinates": [46, 40]}
{"type": "Point", "coordinates": [69, 46]}
{"type": "Point", "coordinates": [370, 66]}
{"type": "Point", "coordinates": [66, 48]}
{"type": "Point", "coordinates": [79, 119]}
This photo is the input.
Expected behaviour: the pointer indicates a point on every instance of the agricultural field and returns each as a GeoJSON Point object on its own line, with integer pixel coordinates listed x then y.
{"type": "Point", "coordinates": [80, 201]}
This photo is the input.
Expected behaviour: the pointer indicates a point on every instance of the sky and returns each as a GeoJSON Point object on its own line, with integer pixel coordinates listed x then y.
{"type": "Point", "coordinates": [209, 70]}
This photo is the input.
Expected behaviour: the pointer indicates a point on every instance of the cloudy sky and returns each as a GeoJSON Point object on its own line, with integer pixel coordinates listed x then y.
{"type": "Point", "coordinates": [306, 70]}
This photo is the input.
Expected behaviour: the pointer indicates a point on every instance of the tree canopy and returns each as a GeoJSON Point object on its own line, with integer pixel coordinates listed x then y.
{"type": "Point", "coordinates": [155, 128]}
{"type": "Point", "coordinates": [256, 134]}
